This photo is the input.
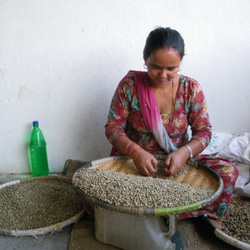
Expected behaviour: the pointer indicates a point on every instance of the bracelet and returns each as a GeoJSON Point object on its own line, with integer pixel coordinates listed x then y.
{"type": "Point", "coordinates": [136, 151]}
{"type": "Point", "coordinates": [129, 144]}
{"type": "Point", "coordinates": [190, 151]}
{"type": "Point", "coordinates": [131, 149]}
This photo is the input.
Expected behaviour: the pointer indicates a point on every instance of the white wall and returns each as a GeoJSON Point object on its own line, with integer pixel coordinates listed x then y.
{"type": "Point", "coordinates": [61, 60]}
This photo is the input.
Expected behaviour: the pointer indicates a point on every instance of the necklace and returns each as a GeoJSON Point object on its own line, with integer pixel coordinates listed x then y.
{"type": "Point", "coordinates": [173, 99]}
{"type": "Point", "coordinates": [172, 108]}
{"type": "Point", "coordinates": [167, 118]}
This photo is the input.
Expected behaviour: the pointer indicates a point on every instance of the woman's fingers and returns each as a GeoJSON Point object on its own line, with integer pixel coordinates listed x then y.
{"type": "Point", "coordinates": [152, 166]}
{"type": "Point", "coordinates": [171, 171]}
{"type": "Point", "coordinates": [173, 164]}
{"type": "Point", "coordinates": [146, 163]}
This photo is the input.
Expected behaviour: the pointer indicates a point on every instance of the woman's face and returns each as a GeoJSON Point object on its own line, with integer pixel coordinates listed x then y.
{"type": "Point", "coordinates": [163, 66]}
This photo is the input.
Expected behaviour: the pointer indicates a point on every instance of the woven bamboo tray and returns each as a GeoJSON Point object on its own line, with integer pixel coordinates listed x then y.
{"type": "Point", "coordinates": [219, 233]}
{"type": "Point", "coordinates": [197, 176]}
{"type": "Point", "coordinates": [59, 180]}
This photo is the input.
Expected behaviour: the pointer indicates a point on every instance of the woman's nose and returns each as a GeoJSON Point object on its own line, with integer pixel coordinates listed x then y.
{"type": "Point", "coordinates": [164, 73]}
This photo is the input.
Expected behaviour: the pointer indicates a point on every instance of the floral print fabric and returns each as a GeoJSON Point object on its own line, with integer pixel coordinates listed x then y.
{"type": "Point", "coordinates": [125, 119]}
{"type": "Point", "coordinates": [229, 174]}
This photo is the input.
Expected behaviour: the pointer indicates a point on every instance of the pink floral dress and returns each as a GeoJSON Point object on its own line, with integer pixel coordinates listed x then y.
{"type": "Point", "coordinates": [190, 111]}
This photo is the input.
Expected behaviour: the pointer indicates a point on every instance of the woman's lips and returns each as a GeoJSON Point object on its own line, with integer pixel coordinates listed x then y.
{"type": "Point", "coordinates": [164, 80]}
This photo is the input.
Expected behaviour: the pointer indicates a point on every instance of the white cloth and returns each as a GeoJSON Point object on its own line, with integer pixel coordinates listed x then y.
{"type": "Point", "coordinates": [235, 148]}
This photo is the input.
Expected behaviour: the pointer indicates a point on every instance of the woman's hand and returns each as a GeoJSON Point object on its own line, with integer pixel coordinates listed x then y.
{"type": "Point", "coordinates": [145, 162]}
{"type": "Point", "coordinates": [176, 161]}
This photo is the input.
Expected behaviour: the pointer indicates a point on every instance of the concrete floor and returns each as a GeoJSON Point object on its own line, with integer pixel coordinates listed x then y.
{"type": "Point", "coordinates": [195, 234]}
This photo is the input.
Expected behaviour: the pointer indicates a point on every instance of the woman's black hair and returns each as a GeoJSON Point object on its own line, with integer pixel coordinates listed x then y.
{"type": "Point", "coordinates": [161, 38]}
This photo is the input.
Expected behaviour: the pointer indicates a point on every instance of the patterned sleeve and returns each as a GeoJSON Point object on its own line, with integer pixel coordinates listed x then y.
{"type": "Point", "coordinates": [119, 110]}
{"type": "Point", "coordinates": [198, 115]}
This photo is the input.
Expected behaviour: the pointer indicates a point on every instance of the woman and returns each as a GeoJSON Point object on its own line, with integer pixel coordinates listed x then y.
{"type": "Point", "coordinates": [151, 112]}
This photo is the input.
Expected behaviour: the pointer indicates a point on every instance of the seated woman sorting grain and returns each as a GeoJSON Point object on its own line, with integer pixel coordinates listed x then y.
{"type": "Point", "coordinates": [150, 114]}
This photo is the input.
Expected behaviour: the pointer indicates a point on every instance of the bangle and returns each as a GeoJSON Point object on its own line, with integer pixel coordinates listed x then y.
{"type": "Point", "coordinates": [190, 151]}
{"type": "Point", "coordinates": [129, 144]}
{"type": "Point", "coordinates": [136, 151]}
{"type": "Point", "coordinates": [132, 149]}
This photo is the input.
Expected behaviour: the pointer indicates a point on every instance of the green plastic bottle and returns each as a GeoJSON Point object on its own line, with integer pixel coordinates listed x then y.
{"type": "Point", "coordinates": [38, 152]}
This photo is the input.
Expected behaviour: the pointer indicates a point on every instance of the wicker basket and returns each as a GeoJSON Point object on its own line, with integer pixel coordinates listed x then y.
{"type": "Point", "coordinates": [219, 233]}
{"type": "Point", "coordinates": [61, 181]}
{"type": "Point", "coordinates": [197, 176]}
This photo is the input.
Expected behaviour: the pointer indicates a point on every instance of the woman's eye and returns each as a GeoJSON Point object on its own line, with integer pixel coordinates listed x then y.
{"type": "Point", "coordinates": [172, 68]}
{"type": "Point", "coordinates": [155, 67]}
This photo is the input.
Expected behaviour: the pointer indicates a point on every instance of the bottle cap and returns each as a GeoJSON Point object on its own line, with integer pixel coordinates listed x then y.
{"type": "Point", "coordinates": [35, 123]}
